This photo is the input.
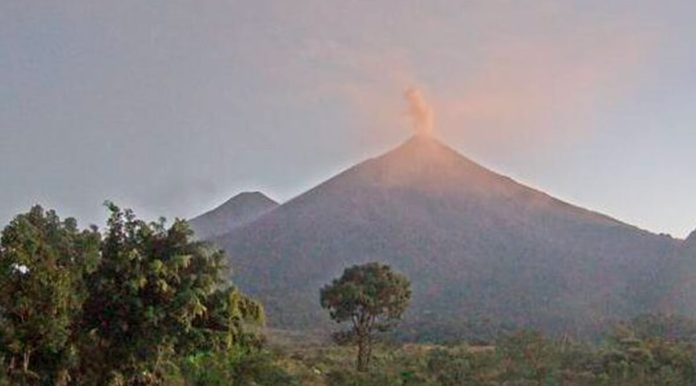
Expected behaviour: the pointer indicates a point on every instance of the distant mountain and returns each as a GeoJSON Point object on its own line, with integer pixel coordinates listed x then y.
{"type": "Point", "coordinates": [477, 246]}
{"type": "Point", "coordinates": [691, 240]}
{"type": "Point", "coordinates": [239, 210]}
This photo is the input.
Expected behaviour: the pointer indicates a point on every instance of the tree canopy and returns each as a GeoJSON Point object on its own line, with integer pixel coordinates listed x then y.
{"type": "Point", "coordinates": [372, 297]}
{"type": "Point", "coordinates": [42, 263]}
{"type": "Point", "coordinates": [121, 308]}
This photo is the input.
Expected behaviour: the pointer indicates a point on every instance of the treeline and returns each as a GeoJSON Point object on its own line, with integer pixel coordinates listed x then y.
{"type": "Point", "coordinates": [144, 303]}
{"type": "Point", "coordinates": [640, 353]}
{"type": "Point", "coordinates": [137, 303]}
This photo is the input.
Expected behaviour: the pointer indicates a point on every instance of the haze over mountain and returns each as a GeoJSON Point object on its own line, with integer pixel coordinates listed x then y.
{"type": "Point", "coordinates": [238, 210]}
{"type": "Point", "coordinates": [476, 245]}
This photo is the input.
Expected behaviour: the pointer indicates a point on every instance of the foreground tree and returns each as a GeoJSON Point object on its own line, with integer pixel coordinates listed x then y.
{"type": "Point", "coordinates": [371, 297]}
{"type": "Point", "coordinates": [157, 295]}
{"type": "Point", "coordinates": [42, 262]}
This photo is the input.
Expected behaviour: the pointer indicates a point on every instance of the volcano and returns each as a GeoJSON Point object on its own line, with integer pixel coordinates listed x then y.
{"type": "Point", "coordinates": [476, 245]}
{"type": "Point", "coordinates": [235, 212]}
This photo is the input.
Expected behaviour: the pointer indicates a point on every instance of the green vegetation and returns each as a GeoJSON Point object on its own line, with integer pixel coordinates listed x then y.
{"type": "Point", "coordinates": [141, 303]}
{"type": "Point", "coordinates": [370, 296]}
{"type": "Point", "coordinates": [131, 306]}
{"type": "Point", "coordinates": [43, 265]}
{"type": "Point", "coordinates": [522, 358]}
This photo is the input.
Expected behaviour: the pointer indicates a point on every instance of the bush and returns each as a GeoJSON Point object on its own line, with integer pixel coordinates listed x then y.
{"type": "Point", "coordinates": [235, 368]}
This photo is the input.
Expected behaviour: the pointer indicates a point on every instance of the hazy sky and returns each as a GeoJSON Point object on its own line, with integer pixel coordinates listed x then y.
{"type": "Point", "coordinates": [170, 107]}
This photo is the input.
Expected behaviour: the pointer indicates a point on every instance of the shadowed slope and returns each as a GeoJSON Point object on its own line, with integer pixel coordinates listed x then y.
{"type": "Point", "coordinates": [475, 244]}
{"type": "Point", "coordinates": [239, 210]}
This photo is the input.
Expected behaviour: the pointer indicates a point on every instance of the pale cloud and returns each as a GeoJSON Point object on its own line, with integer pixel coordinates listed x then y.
{"type": "Point", "coordinates": [493, 77]}
{"type": "Point", "coordinates": [544, 90]}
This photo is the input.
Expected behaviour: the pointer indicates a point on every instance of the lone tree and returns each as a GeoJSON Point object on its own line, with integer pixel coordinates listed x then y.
{"type": "Point", "coordinates": [372, 297]}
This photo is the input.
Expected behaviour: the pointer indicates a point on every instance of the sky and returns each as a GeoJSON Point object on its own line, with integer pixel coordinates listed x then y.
{"type": "Point", "coordinates": [171, 107]}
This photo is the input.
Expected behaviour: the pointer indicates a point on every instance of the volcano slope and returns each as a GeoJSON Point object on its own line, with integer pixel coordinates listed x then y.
{"type": "Point", "coordinates": [235, 212]}
{"type": "Point", "coordinates": [477, 246]}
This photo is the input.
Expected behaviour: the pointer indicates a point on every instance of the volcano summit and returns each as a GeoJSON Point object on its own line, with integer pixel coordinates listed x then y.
{"type": "Point", "coordinates": [476, 245]}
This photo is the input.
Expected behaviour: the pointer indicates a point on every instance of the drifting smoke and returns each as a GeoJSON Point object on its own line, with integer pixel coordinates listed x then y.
{"type": "Point", "coordinates": [420, 112]}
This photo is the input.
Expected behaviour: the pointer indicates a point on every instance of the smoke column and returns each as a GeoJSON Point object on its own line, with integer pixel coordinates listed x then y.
{"type": "Point", "coordinates": [420, 112]}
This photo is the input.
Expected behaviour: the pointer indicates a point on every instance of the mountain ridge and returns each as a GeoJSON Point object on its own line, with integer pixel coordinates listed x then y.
{"type": "Point", "coordinates": [414, 140]}
{"type": "Point", "coordinates": [239, 210]}
{"type": "Point", "coordinates": [469, 238]}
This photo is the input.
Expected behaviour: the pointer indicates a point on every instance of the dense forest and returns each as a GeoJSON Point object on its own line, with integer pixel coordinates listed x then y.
{"type": "Point", "coordinates": [145, 303]}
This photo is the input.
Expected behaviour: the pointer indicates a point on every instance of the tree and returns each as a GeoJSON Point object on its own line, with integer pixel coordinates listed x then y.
{"type": "Point", "coordinates": [42, 262]}
{"type": "Point", "coordinates": [156, 295]}
{"type": "Point", "coordinates": [228, 323]}
{"type": "Point", "coordinates": [370, 296]}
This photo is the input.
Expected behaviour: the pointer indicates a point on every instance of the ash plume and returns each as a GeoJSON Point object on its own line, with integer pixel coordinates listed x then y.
{"type": "Point", "coordinates": [420, 111]}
